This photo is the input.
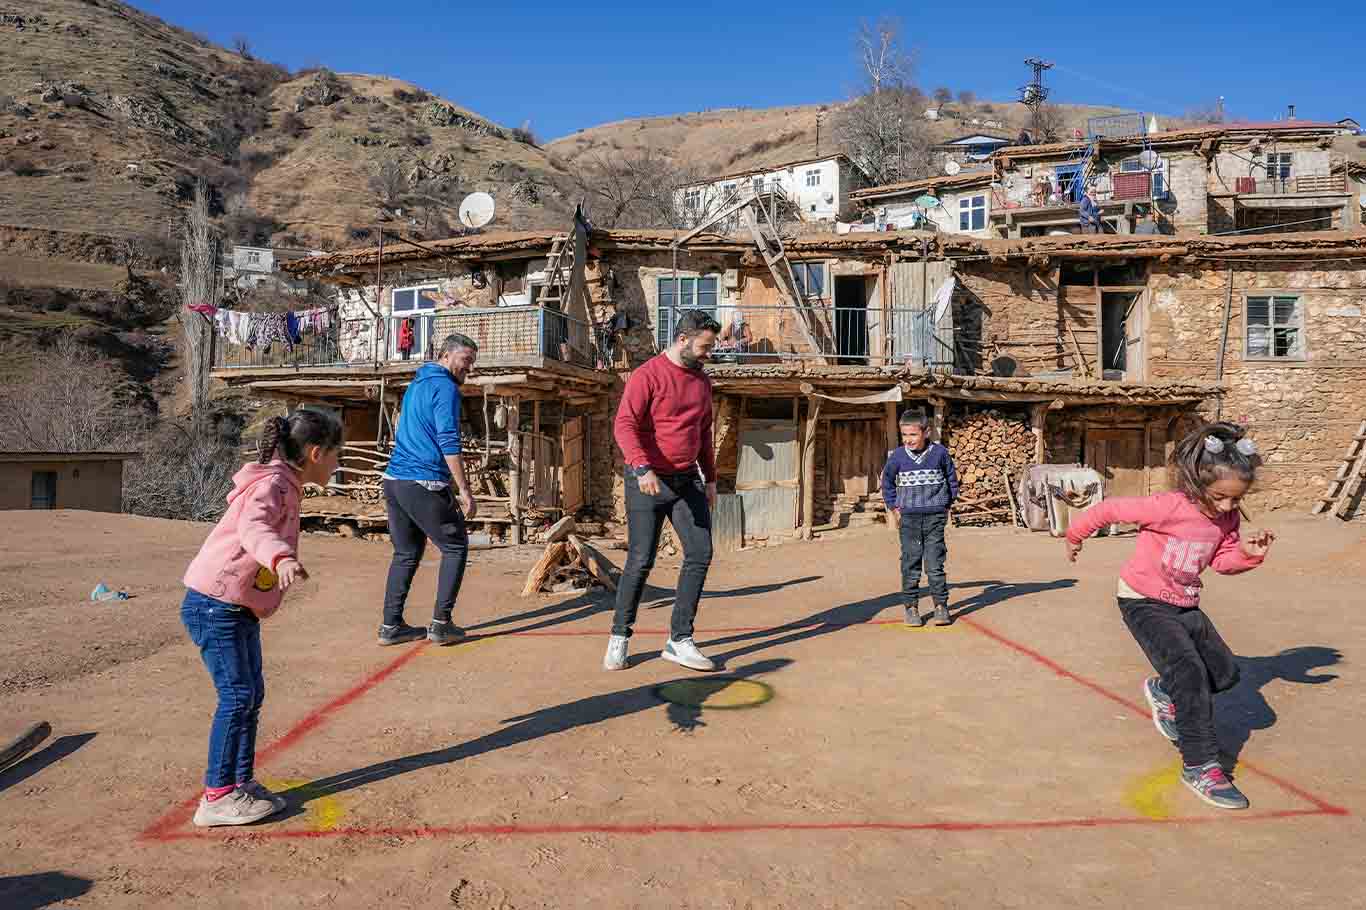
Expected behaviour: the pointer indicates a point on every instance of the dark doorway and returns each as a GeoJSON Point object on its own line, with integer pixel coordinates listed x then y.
{"type": "Point", "coordinates": [851, 319]}
{"type": "Point", "coordinates": [1115, 311]}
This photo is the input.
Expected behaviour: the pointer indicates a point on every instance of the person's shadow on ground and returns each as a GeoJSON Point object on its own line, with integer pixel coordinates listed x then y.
{"type": "Point", "coordinates": [1244, 708]}
{"type": "Point", "coordinates": [865, 611]}
{"type": "Point", "coordinates": [524, 728]}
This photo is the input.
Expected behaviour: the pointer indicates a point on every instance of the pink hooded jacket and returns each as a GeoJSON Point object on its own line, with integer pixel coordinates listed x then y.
{"type": "Point", "coordinates": [261, 527]}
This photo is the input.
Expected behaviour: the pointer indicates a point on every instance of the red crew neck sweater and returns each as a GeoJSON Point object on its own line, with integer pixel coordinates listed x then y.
{"type": "Point", "coordinates": [665, 419]}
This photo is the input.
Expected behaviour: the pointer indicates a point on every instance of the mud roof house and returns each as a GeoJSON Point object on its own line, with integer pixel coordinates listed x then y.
{"type": "Point", "coordinates": [971, 149]}
{"type": "Point", "coordinates": [952, 204]}
{"type": "Point", "coordinates": [809, 189]}
{"type": "Point", "coordinates": [1081, 349]}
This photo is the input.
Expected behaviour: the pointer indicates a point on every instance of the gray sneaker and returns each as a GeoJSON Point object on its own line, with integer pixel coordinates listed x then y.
{"type": "Point", "coordinates": [444, 633]}
{"type": "Point", "coordinates": [615, 658]}
{"type": "Point", "coordinates": [913, 617]}
{"type": "Point", "coordinates": [237, 808]}
{"type": "Point", "coordinates": [941, 615]}
{"type": "Point", "coordinates": [1209, 782]}
{"type": "Point", "coordinates": [259, 791]}
{"type": "Point", "coordinates": [1164, 711]}
{"type": "Point", "coordinates": [397, 635]}
{"type": "Point", "coordinates": [685, 653]}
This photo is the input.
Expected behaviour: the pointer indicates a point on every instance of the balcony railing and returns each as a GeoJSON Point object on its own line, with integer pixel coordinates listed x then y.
{"type": "Point", "coordinates": [501, 332]}
{"type": "Point", "coordinates": [834, 335]}
{"type": "Point", "coordinates": [1307, 184]}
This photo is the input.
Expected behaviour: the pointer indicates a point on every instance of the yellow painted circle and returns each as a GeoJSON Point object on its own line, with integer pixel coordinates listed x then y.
{"type": "Point", "coordinates": [715, 692]}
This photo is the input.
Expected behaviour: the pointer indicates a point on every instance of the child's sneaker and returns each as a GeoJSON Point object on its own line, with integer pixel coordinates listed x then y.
{"type": "Point", "coordinates": [1164, 711]}
{"type": "Point", "coordinates": [1210, 783]}
{"type": "Point", "coordinates": [398, 634]}
{"type": "Point", "coordinates": [444, 633]}
{"type": "Point", "coordinates": [913, 617]}
{"type": "Point", "coordinates": [259, 791]}
{"type": "Point", "coordinates": [941, 615]}
{"type": "Point", "coordinates": [237, 808]}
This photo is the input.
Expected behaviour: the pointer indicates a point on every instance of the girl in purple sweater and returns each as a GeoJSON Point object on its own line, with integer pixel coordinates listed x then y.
{"type": "Point", "coordinates": [1182, 533]}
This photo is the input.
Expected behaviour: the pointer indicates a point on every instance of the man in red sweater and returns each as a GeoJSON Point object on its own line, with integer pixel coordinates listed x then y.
{"type": "Point", "coordinates": [663, 428]}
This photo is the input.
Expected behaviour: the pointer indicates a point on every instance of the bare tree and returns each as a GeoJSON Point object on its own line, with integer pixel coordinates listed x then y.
{"type": "Point", "coordinates": [942, 95]}
{"type": "Point", "coordinates": [185, 472]}
{"type": "Point", "coordinates": [199, 284]}
{"type": "Point", "coordinates": [75, 402]}
{"type": "Point", "coordinates": [885, 63]}
{"type": "Point", "coordinates": [241, 47]}
{"type": "Point", "coordinates": [1047, 123]}
{"type": "Point", "coordinates": [967, 98]}
{"type": "Point", "coordinates": [389, 184]}
{"type": "Point", "coordinates": [884, 135]}
{"type": "Point", "coordinates": [636, 188]}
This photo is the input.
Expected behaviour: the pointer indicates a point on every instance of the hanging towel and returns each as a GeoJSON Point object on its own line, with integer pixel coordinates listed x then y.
{"type": "Point", "coordinates": [222, 324]}
{"type": "Point", "coordinates": [239, 327]}
{"type": "Point", "coordinates": [292, 328]}
{"type": "Point", "coordinates": [206, 309]}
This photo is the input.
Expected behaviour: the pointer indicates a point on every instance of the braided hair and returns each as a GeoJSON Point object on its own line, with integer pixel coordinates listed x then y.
{"type": "Point", "coordinates": [291, 436]}
{"type": "Point", "coordinates": [1215, 450]}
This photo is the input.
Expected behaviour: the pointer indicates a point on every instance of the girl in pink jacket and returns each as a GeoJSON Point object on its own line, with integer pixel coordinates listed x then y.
{"type": "Point", "coordinates": [1180, 535]}
{"type": "Point", "coordinates": [239, 578]}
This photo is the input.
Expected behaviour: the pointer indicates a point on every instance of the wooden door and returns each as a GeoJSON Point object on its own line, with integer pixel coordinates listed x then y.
{"type": "Point", "coordinates": [572, 474]}
{"type": "Point", "coordinates": [1117, 455]}
{"type": "Point", "coordinates": [858, 450]}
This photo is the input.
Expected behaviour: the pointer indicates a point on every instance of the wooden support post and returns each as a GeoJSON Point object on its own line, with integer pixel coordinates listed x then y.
{"type": "Point", "coordinates": [813, 414]}
{"type": "Point", "coordinates": [515, 468]}
{"type": "Point", "coordinates": [889, 421]}
{"type": "Point", "coordinates": [937, 427]}
{"type": "Point", "coordinates": [1037, 414]}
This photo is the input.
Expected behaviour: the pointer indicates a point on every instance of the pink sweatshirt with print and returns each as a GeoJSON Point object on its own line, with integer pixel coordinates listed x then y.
{"type": "Point", "coordinates": [261, 527]}
{"type": "Point", "coordinates": [1176, 542]}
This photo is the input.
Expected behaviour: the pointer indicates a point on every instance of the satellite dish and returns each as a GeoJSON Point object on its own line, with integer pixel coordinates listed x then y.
{"type": "Point", "coordinates": [476, 210]}
{"type": "Point", "coordinates": [1148, 160]}
{"type": "Point", "coordinates": [952, 167]}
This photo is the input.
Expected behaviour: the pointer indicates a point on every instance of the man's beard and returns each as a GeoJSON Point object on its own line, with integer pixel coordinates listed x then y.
{"type": "Point", "coordinates": [691, 360]}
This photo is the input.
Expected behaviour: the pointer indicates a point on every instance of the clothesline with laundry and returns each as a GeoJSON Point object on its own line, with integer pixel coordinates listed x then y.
{"type": "Point", "coordinates": [263, 330]}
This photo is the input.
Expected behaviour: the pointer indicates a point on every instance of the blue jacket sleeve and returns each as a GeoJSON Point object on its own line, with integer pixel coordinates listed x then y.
{"type": "Point", "coordinates": [446, 418]}
{"type": "Point", "coordinates": [951, 473]}
{"type": "Point", "coordinates": [889, 481]}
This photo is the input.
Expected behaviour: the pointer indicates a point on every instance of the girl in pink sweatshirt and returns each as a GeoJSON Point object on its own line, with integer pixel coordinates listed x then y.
{"type": "Point", "coordinates": [1181, 533]}
{"type": "Point", "coordinates": [238, 579]}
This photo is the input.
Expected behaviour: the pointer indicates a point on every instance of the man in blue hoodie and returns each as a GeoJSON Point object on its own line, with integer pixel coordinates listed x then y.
{"type": "Point", "coordinates": [418, 497]}
{"type": "Point", "coordinates": [919, 484]}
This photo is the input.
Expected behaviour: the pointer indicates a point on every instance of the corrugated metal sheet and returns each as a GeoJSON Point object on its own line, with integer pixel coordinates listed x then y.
{"type": "Point", "coordinates": [914, 333]}
{"type": "Point", "coordinates": [727, 523]}
{"type": "Point", "coordinates": [766, 476]}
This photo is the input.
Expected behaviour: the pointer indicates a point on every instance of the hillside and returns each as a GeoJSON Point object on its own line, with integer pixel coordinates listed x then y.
{"type": "Point", "coordinates": [729, 140]}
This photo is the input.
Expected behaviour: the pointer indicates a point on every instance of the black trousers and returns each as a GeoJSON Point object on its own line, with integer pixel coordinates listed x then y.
{"type": "Point", "coordinates": [1194, 663]}
{"type": "Point", "coordinates": [682, 499]}
{"type": "Point", "coordinates": [416, 515]}
{"type": "Point", "coordinates": [922, 542]}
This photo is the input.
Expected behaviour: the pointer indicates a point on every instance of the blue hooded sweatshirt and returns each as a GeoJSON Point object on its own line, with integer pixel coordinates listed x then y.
{"type": "Point", "coordinates": [923, 481]}
{"type": "Point", "coordinates": [428, 426]}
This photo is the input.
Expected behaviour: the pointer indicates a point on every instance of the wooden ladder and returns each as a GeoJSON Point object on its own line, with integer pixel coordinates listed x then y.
{"type": "Point", "coordinates": [770, 244]}
{"type": "Point", "coordinates": [558, 266]}
{"type": "Point", "coordinates": [1343, 488]}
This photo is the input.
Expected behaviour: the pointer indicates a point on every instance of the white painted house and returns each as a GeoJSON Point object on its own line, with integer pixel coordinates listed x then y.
{"type": "Point", "coordinates": [818, 188]}
{"type": "Point", "coordinates": [960, 204]}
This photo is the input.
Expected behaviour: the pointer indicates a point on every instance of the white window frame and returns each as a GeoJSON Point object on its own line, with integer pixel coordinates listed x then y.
{"type": "Point", "coordinates": [800, 272]}
{"type": "Point", "coordinates": [714, 290]}
{"type": "Point", "coordinates": [1157, 185]}
{"type": "Point", "coordinates": [969, 207]}
{"type": "Point", "coordinates": [1283, 167]}
{"type": "Point", "coordinates": [813, 177]}
{"type": "Point", "coordinates": [758, 184]}
{"type": "Point", "coordinates": [728, 188]}
{"type": "Point", "coordinates": [1272, 325]}
{"type": "Point", "coordinates": [253, 257]}
{"type": "Point", "coordinates": [692, 198]}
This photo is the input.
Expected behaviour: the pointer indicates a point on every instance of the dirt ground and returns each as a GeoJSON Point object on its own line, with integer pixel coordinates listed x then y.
{"type": "Point", "coordinates": [848, 761]}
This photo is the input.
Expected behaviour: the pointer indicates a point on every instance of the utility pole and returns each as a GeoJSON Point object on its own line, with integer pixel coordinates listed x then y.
{"type": "Point", "coordinates": [1035, 93]}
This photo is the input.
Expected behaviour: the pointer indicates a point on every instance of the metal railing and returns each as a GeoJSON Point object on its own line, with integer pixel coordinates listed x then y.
{"type": "Point", "coordinates": [499, 332]}
{"type": "Point", "coordinates": [837, 335]}
{"type": "Point", "coordinates": [1287, 186]}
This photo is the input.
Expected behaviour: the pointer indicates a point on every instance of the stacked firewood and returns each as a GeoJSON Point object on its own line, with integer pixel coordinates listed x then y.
{"type": "Point", "coordinates": [987, 446]}
{"type": "Point", "coordinates": [569, 564]}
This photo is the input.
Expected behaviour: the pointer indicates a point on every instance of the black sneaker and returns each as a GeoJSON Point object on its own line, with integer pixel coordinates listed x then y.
{"type": "Point", "coordinates": [444, 633]}
{"type": "Point", "coordinates": [913, 618]}
{"type": "Point", "coordinates": [397, 635]}
{"type": "Point", "coordinates": [941, 615]}
{"type": "Point", "coordinates": [1164, 711]}
{"type": "Point", "coordinates": [1209, 782]}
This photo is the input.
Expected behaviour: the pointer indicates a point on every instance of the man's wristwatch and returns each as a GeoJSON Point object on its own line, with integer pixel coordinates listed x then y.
{"type": "Point", "coordinates": [641, 470]}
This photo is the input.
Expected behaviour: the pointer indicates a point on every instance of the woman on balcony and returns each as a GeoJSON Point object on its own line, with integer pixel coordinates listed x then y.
{"type": "Point", "coordinates": [735, 338]}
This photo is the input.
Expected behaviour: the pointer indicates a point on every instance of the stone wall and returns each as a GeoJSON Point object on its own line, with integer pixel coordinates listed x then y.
{"type": "Point", "coordinates": [1302, 413]}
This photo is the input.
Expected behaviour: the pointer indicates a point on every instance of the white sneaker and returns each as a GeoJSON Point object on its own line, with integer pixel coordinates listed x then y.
{"type": "Point", "coordinates": [615, 659]}
{"type": "Point", "coordinates": [237, 808]}
{"type": "Point", "coordinates": [685, 653]}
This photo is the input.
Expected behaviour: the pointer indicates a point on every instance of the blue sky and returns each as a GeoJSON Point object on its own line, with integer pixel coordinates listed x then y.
{"type": "Point", "coordinates": [565, 66]}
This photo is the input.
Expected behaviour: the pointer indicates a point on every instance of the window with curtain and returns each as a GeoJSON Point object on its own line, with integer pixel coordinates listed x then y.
{"type": "Point", "coordinates": [810, 277]}
{"type": "Point", "coordinates": [1274, 327]}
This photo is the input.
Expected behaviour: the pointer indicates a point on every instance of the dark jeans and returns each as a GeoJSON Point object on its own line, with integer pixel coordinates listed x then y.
{"type": "Point", "coordinates": [1194, 663]}
{"type": "Point", "coordinates": [922, 541]}
{"type": "Point", "coordinates": [682, 499]}
{"type": "Point", "coordinates": [416, 515]}
{"type": "Point", "coordinates": [229, 640]}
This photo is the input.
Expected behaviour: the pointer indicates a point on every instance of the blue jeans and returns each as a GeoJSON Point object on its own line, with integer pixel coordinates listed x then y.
{"type": "Point", "coordinates": [229, 640]}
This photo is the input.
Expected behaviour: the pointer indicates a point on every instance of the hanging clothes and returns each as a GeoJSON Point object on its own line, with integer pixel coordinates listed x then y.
{"type": "Point", "coordinates": [267, 329]}
{"type": "Point", "coordinates": [292, 328]}
{"type": "Point", "coordinates": [205, 308]}
{"type": "Point", "coordinates": [239, 327]}
{"type": "Point", "coordinates": [405, 338]}
{"type": "Point", "coordinates": [222, 324]}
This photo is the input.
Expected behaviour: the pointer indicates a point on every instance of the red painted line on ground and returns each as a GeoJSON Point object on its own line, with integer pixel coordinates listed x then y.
{"type": "Point", "coordinates": [781, 628]}
{"type": "Point", "coordinates": [1322, 807]}
{"type": "Point", "coordinates": [311, 721]}
{"type": "Point", "coordinates": [739, 828]}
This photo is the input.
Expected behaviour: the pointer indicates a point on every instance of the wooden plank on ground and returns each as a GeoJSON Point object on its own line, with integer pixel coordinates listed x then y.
{"type": "Point", "coordinates": [544, 568]}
